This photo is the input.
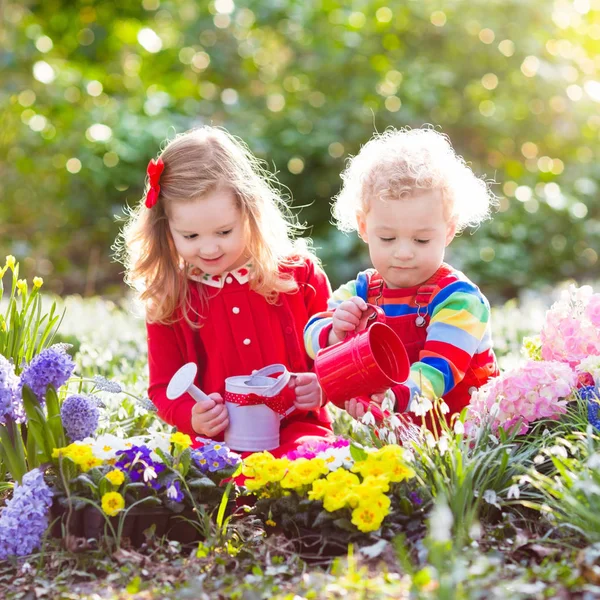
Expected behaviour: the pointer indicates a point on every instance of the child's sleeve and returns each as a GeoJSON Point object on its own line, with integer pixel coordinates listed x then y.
{"type": "Point", "coordinates": [164, 359]}
{"type": "Point", "coordinates": [316, 331]}
{"type": "Point", "coordinates": [458, 328]}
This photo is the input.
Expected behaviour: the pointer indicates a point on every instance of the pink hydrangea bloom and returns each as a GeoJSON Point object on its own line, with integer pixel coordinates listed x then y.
{"type": "Point", "coordinates": [534, 391]}
{"type": "Point", "coordinates": [592, 311]}
{"type": "Point", "coordinates": [571, 330]}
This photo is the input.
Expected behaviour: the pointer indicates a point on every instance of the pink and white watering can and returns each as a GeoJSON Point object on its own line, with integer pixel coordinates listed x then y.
{"type": "Point", "coordinates": [256, 404]}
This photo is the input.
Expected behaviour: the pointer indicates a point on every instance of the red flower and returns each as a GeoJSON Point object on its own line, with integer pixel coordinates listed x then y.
{"type": "Point", "coordinates": [154, 171]}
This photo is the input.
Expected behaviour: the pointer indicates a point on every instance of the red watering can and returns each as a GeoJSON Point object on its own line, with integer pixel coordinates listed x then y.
{"type": "Point", "coordinates": [367, 362]}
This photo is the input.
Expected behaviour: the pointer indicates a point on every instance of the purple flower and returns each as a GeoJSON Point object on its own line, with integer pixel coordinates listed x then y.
{"type": "Point", "coordinates": [590, 394]}
{"type": "Point", "coordinates": [24, 519]}
{"type": "Point", "coordinates": [10, 400]}
{"type": "Point", "coordinates": [136, 462]}
{"type": "Point", "coordinates": [80, 417]}
{"type": "Point", "coordinates": [214, 456]}
{"type": "Point", "coordinates": [415, 498]}
{"type": "Point", "coordinates": [52, 366]}
{"type": "Point", "coordinates": [105, 385]}
{"type": "Point", "coordinates": [174, 492]}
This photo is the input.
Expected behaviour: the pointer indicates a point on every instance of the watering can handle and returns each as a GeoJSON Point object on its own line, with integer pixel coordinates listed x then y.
{"type": "Point", "coordinates": [377, 316]}
{"type": "Point", "coordinates": [280, 382]}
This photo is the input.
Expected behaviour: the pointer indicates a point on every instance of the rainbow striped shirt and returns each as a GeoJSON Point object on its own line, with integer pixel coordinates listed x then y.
{"type": "Point", "coordinates": [458, 334]}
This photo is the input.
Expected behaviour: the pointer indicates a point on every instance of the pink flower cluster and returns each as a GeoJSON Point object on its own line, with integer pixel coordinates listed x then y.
{"type": "Point", "coordinates": [314, 448]}
{"type": "Point", "coordinates": [571, 331]}
{"type": "Point", "coordinates": [534, 391]}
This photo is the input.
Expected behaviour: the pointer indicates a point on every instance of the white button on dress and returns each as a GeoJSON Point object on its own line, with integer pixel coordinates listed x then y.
{"type": "Point", "coordinates": [228, 279]}
{"type": "Point", "coordinates": [247, 342]}
{"type": "Point", "coordinates": [235, 310]}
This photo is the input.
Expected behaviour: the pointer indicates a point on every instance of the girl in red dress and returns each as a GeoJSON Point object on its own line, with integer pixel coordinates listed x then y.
{"type": "Point", "coordinates": [211, 252]}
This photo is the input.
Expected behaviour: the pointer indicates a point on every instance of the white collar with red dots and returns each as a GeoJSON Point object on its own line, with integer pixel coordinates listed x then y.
{"type": "Point", "coordinates": [241, 275]}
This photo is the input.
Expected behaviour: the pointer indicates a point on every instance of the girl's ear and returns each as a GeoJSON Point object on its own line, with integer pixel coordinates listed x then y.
{"type": "Point", "coordinates": [361, 219]}
{"type": "Point", "coordinates": [450, 231]}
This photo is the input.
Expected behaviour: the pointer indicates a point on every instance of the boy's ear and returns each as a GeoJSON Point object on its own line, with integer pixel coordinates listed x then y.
{"type": "Point", "coordinates": [451, 231]}
{"type": "Point", "coordinates": [362, 226]}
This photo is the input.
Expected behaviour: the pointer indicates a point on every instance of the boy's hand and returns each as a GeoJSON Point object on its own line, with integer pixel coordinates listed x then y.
{"type": "Point", "coordinates": [351, 315]}
{"type": "Point", "coordinates": [210, 417]}
{"type": "Point", "coordinates": [357, 409]}
{"type": "Point", "coordinates": [308, 391]}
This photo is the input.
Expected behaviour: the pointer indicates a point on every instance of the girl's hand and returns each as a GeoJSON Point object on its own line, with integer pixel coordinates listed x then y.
{"type": "Point", "coordinates": [348, 317]}
{"type": "Point", "coordinates": [210, 417]}
{"type": "Point", "coordinates": [357, 409]}
{"type": "Point", "coordinates": [308, 391]}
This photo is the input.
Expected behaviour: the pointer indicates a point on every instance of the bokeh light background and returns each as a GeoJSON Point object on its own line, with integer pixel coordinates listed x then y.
{"type": "Point", "coordinates": [89, 91]}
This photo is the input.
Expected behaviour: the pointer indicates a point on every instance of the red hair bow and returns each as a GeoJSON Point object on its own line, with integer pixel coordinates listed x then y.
{"type": "Point", "coordinates": [154, 171]}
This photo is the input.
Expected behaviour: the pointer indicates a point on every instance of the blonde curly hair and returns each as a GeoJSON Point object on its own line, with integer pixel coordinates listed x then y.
{"type": "Point", "coordinates": [196, 163]}
{"type": "Point", "coordinates": [395, 163]}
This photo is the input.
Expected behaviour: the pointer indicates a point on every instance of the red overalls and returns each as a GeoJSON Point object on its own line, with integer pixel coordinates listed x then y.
{"type": "Point", "coordinates": [412, 330]}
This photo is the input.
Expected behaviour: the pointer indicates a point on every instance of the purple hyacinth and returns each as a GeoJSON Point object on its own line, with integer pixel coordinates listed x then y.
{"type": "Point", "coordinates": [52, 366]}
{"type": "Point", "coordinates": [80, 417]}
{"type": "Point", "coordinates": [590, 394]}
{"type": "Point", "coordinates": [10, 401]}
{"type": "Point", "coordinates": [214, 456]}
{"type": "Point", "coordinates": [105, 385]}
{"type": "Point", "coordinates": [24, 519]}
{"type": "Point", "coordinates": [136, 462]}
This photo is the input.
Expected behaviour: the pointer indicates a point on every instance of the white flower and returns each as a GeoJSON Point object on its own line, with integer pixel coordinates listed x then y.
{"type": "Point", "coordinates": [149, 473]}
{"type": "Point", "coordinates": [429, 439]}
{"type": "Point", "coordinates": [444, 408]}
{"type": "Point", "coordinates": [443, 444]}
{"type": "Point", "coordinates": [491, 498]}
{"type": "Point", "coordinates": [172, 492]}
{"type": "Point", "coordinates": [368, 418]}
{"type": "Point", "coordinates": [105, 446]}
{"type": "Point", "coordinates": [336, 458]}
{"type": "Point", "coordinates": [459, 427]}
{"type": "Point", "coordinates": [593, 461]}
{"type": "Point", "coordinates": [395, 422]}
{"type": "Point", "coordinates": [440, 522]}
{"type": "Point", "coordinates": [513, 492]}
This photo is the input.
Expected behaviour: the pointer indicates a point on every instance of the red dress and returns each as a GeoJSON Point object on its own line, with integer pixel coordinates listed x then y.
{"type": "Point", "coordinates": [241, 332]}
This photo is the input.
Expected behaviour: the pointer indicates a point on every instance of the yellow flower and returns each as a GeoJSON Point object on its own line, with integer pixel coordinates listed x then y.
{"type": "Point", "coordinates": [89, 463]}
{"type": "Point", "coordinates": [181, 439]}
{"type": "Point", "coordinates": [255, 484]}
{"type": "Point", "coordinates": [22, 286]}
{"type": "Point", "coordinates": [270, 523]}
{"type": "Point", "coordinates": [400, 471]}
{"type": "Point", "coordinates": [303, 472]}
{"type": "Point", "coordinates": [336, 497]}
{"type": "Point", "coordinates": [10, 261]}
{"type": "Point", "coordinates": [319, 488]}
{"type": "Point", "coordinates": [256, 461]}
{"type": "Point", "coordinates": [116, 477]}
{"type": "Point", "coordinates": [343, 477]}
{"type": "Point", "coordinates": [38, 282]}
{"type": "Point", "coordinates": [367, 518]}
{"type": "Point", "coordinates": [112, 503]}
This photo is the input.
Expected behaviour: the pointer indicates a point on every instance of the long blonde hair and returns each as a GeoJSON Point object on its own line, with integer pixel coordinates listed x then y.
{"type": "Point", "coordinates": [196, 163]}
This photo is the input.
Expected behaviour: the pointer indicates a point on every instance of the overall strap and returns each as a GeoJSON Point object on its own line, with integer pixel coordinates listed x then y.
{"type": "Point", "coordinates": [423, 295]}
{"type": "Point", "coordinates": [375, 289]}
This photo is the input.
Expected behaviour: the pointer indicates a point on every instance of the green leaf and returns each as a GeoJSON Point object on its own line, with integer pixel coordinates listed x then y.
{"type": "Point", "coordinates": [201, 482]}
{"type": "Point", "coordinates": [357, 453]}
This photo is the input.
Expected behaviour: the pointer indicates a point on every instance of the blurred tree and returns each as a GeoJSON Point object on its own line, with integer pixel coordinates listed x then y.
{"type": "Point", "coordinates": [91, 89]}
